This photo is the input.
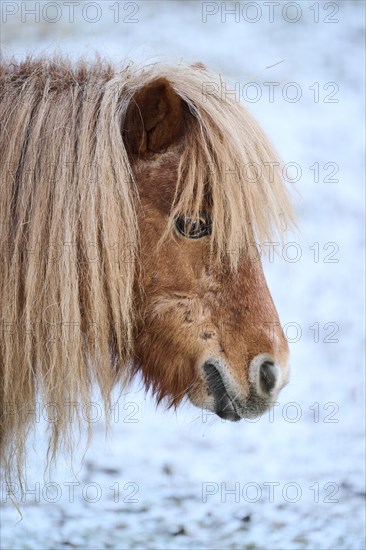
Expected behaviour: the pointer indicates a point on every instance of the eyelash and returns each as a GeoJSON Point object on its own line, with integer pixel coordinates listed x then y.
{"type": "Point", "coordinates": [189, 227]}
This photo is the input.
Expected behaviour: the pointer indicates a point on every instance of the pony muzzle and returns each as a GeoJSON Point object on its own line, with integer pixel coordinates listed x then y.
{"type": "Point", "coordinates": [231, 402]}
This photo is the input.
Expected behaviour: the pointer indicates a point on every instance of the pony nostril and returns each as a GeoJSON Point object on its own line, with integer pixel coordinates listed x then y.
{"type": "Point", "coordinates": [267, 374]}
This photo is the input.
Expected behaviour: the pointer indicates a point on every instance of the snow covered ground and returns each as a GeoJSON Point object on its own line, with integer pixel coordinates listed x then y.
{"type": "Point", "coordinates": [294, 479]}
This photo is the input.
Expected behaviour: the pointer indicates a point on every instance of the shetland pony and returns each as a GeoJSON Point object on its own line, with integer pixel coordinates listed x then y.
{"type": "Point", "coordinates": [130, 204]}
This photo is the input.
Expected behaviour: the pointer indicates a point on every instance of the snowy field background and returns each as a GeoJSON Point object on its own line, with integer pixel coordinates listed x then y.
{"type": "Point", "coordinates": [294, 479]}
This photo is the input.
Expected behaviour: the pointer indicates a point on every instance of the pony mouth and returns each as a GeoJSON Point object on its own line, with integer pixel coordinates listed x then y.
{"type": "Point", "coordinates": [224, 404]}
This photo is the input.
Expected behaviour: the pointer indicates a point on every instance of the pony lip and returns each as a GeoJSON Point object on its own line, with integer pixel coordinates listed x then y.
{"type": "Point", "coordinates": [224, 405]}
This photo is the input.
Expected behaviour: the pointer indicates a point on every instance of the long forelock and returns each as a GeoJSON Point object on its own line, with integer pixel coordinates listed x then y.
{"type": "Point", "coordinates": [228, 161]}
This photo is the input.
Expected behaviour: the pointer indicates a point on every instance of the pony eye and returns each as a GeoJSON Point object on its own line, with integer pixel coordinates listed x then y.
{"type": "Point", "coordinates": [194, 228]}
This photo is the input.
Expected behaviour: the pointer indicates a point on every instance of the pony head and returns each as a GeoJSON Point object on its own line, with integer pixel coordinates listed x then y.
{"type": "Point", "coordinates": [131, 205]}
{"type": "Point", "coordinates": [206, 327]}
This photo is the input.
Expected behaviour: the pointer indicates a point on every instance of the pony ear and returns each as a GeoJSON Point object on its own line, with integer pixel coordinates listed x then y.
{"type": "Point", "coordinates": [154, 119]}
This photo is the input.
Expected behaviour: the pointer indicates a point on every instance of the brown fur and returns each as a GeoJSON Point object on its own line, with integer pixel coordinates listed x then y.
{"type": "Point", "coordinates": [98, 163]}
